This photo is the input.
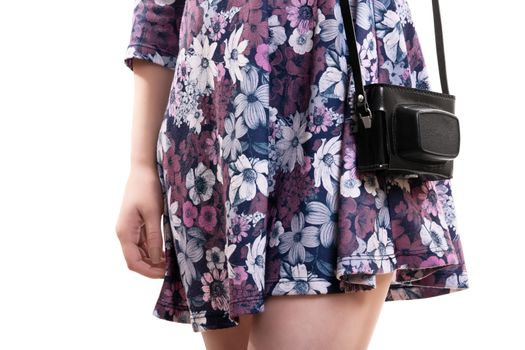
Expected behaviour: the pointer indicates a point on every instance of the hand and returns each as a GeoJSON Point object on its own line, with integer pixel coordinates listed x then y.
{"type": "Point", "coordinates": [138, 227]}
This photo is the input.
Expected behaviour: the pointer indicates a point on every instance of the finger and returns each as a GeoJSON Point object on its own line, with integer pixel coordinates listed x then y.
{"type": "Point", "coordinates": [135, 262]}
{"type": "Point", "coordinates": [153, 234]}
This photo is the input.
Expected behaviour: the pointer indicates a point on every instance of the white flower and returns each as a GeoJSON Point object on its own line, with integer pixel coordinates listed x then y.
{"type": "Point", "coordinates": [277, 33]}
{"type": "Point", "coordinates": [231, 145]}
{"type": "Point", "coordinates": [252, 100]}
{"type": "Point", "coordinates": [215, 258]}
{"type": "Point", "coordinates": [233, 57]}
{"type": "Point", "coordinates": [189, 252]}
{"type": "Point", "coordinates": [326, 163]}
{"type": "Point", "coordinates": [164, 2]}
{"type": "Point", "coordinates": [251, 175]}
{"type": "Point", "coordinates": [382, 248]}
{"type": "Point", "coordinates": [324, 215]}
{"type": "Point", "coordinates": [432, 235]}
{"type": "Point", "coordinates": [301, 42]}
{"type": "Point", "coordinates": [203, 69]}
{"type": "Point", "coordinates": [276, 233]}
{"type": "Point", "coordinates": [350, 184]}
{"type": "Point", "coordinates": [200, 183]}
{"type": "Point", "coordinates": [333, 80]}
{"type": "Point", "coordinates": [295, 241]}
{"type": "Point", "coordinates": [255, 260]}
{"type": "Point", "coordinates": [194, 120]}
{"type": "Point", "coordinates": [301, 282]}
{"type": "Point", "coordinates": [333, 28]}
{"type": "Point", "coordinates": [394, 43]}
{"type": "Point", "coordinates": [292, 141]}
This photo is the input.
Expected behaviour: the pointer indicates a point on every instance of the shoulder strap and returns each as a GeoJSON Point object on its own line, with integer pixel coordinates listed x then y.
{"type": "Point", "coordinates": [348, 22]}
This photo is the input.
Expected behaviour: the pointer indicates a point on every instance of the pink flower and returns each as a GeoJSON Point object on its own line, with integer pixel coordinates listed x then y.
{"type": "Point", "coordinates": [208, 218]}
{"type": "Point", "coordinates": [261, 57]}
{"type": "Point", "coordinates": [218, 23]}
{"type": "Point", "coordinates": [215, 289]}
{"type": "Point", "coordinates": [189, 213]}
{"type": "Point", "coordinates": [320, 120]}
{"type": "Point", "coordinates": [301, 15]}
{"type": "Point", "coordinates": [238, 229]}
{"type": "Point", "coordinates": [240, 275]}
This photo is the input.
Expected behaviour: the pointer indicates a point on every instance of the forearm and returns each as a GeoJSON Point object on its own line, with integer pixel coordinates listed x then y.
{"type": "Point", "coordinates": [151, 92]}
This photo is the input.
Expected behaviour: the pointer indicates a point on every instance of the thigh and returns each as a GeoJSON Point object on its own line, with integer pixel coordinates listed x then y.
{"type": "Point", "coordinates": [333, 321]}
{"type": "Point", "coordinates": [233, 338]}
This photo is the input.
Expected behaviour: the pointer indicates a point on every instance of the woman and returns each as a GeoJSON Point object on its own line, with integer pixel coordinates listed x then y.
{"type": "Point", "coordinates": [241, 139]}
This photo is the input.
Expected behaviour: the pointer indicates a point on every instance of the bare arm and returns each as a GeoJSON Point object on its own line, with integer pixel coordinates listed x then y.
{"type": "Point", "coordinates": [138, 226]}
{"type": "Point", "coordinates": [152, 86]}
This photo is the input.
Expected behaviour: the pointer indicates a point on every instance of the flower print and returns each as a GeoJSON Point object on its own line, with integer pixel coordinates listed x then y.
{"type": "Point", "coordinates": [382, 248]}
{"type": "Point", "coordinates": [215, 258]}
{"type": "Point", "coordinates": [301, 15]}
{"type": "Point", "coordinates": [233, 54]}
{"type": "Point", "coordinates": [350, 185]}
{"type": "Point", "coordinates": [391, 31]}
{"type": "Point", "coordinates": [457, 281]}
{"type": "Point", "coordinates": [231, 145]}
{"type": "Point", "coordinates": [276, 233]}
{"type": "Point", "coordinates": [292, 140]}
{"type": "Point", "coordinates": [395, 72]}
{"type": "Point", "coordinates": [320, 119]}
{"type": "Point", "coordinates": [173, 207]}
{"type": "Point", "coordinates": [216, 28]}
{"type": "Point", "coordinates": [199, 183]}
{"type": "Point", "coordinates": [325, 215]}
{"type": "Point", "coordinates": [229, 249]}
{"type": "Point", "coordinates": [257, 31]}
{"type": "Point", "coordinates": [429, 199]}
{"type": "Point", "coordinates": [239, 275]}
{"type": "Point", "coordinates": [212, 147]}
{"type": "Point", "coordinates": [298, 238]}
{"type": "Point", "coordinates": [368, 56]}
{"type": "Point", "coordinates": [371, 183]}
{"type": "Point", "coordinates": [203, 68]}
{"type": "Point", "coordinates": [255, 260]}
{"type": "Point", "coordinates": [194, 119]}
{"type": "Point", "coordinates": [433, 236]}
{"type": "Point", "coordinates": [208, 218]}
{"type": "Point", "coordinates": [252, 100]}
{"type": "Point", "coordinates": [320, 18]}
{"type": "Point", "coordinates": [238, 229]}
{"type": "Point", "coordinates": [326, 163]}
{"type": "Point", "coordinates": [189, 252]}
{"type": "Point", "coordinates": [277, 33]}
{"type": "Point", "coordinates": [189, 213]}
{"type": "Point", "coordinates": [262, 55]}
{"type": "Point", "coordinates": [215, 288]}
{"type": "Point", "coordinates": [333, 80]}
{"type": "Point", "coordinates": [250, 176]}
{"type": "Point", "coordinates": [333, 28]}
{"type": "Point", "coordinates": [364, 17]}
{"type": "Point", "coordinates": [420, 79]}
{"type": "Point", "coordinates": [364, 221]}
{"type": "Point", "coordinates": [447, 201]}
{"type": "Point", "coordinates": [164, 2]}
{"type": "Point", "coordinates": [301, 282]}
{"type": "Point", "coordinates": [301, 42]}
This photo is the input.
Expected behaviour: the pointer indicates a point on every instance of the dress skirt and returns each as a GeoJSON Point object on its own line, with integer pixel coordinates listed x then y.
{"type": "Point", "coordinates": [258, 165]}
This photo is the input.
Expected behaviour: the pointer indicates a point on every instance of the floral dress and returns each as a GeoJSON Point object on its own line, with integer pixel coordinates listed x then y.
{"type": "Point", "coordinates": [258, 164]}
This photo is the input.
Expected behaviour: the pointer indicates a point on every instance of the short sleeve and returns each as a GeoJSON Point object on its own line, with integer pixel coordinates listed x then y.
{"type": "Point", "coordinates": [155, 32]}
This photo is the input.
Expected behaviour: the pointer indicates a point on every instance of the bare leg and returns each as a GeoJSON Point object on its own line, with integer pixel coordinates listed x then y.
{"type": "Point", "coordinates": [333, 321]}
{"type": "Point", "coordinates": [234, 338]}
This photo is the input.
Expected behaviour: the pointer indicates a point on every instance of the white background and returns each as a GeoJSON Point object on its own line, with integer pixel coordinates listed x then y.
{"type": "Point", "coordinates": [65, 118]}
